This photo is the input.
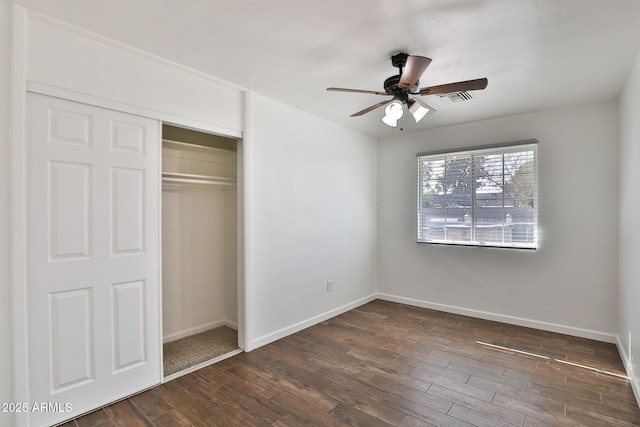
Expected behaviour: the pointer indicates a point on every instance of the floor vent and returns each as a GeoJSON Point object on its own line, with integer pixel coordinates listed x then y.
{"type": "Point", "coordinates": [455, 97]}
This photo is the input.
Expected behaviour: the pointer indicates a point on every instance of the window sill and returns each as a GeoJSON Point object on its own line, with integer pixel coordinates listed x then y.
{"type": "Point", "coordinates": [531, 247]}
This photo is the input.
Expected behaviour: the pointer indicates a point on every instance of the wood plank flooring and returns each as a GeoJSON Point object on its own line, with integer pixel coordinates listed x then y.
{"type": "Point", "coordinates": [388, 364]}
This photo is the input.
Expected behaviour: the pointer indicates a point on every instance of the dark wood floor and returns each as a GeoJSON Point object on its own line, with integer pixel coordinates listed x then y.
{"type": "Point", "coordinates": [387, 364]}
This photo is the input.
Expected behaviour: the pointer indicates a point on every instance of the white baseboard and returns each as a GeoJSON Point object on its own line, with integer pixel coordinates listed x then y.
{"type": "Point", "coordinates": [197, 329]}
{"type": "Point", "coordinates": [274, 336]}
{"type": "Point", "coordinates": [633, 379]}
{"type": "Point", "coordinates": [520, 321]}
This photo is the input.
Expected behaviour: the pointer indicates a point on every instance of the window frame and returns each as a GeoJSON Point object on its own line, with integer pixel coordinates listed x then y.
{"type": "Point", "coordinates": [527, 145]}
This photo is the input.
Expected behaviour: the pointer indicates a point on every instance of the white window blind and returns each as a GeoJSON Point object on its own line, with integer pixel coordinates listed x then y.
{"type": "Point", "coordinates": [481, 197]}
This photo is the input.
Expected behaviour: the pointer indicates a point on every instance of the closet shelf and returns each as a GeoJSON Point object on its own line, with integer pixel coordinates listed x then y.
{"type": "Point", "coordinates": [187, 178]}
{"type": "Point", "coordinates": [195, 147]}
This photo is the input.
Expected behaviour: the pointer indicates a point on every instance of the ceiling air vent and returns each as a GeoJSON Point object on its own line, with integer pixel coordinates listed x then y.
{"type": "Point", "coordinates": [454, 97]}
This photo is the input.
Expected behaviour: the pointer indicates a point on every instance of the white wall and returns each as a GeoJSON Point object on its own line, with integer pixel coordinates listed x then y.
{"type": "Point", "coordinates": [311, 205]}
{"type": "Point", "coordinates": [6, 340]}
{"type": "Point", "coordinates": [194, 258]}
{"type": "Point", "coordinates": [62, 56]}
{"type": "Point", "coordinates": [629, 288]}
{"type": "Point", "coordinates": [570, 283]}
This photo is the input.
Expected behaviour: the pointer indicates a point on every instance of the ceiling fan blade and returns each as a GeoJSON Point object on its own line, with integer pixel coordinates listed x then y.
{"type": "Point", "coordinates": [412, 71]}
{"type": "Point", "coordinates": [340, 89]}
{"type": "Point", "coordinates": [373, 107]}
{"type": "Point", "coordinates": [476, 84]}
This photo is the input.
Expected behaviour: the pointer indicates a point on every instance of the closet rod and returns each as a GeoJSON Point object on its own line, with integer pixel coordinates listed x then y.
{"type": "Point", "coordinates": [193, 177]}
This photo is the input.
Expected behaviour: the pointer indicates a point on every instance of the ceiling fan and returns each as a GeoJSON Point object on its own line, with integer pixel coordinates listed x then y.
{"type": "Point", "coordinates": [406, 83]}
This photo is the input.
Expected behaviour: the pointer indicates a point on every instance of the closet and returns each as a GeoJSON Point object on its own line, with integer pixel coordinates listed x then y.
{"type": "Point", "coordinates": [199, 249]}
{"type": "Point", "coordinates": [86, 225]}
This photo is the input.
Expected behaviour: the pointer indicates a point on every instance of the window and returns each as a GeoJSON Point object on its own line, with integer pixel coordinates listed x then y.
{"type": "Point", "coordinates": [480, 197]}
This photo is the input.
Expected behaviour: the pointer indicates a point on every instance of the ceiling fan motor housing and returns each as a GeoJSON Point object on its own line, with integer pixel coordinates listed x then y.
{"type": "Point", "coordinates": [391, 84]}
{"type": "Point", "coordinates": [392, 88]}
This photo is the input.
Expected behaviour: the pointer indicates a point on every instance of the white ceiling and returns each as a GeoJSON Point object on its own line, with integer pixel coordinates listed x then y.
{"type": "Point", "coordinates": [537, 54]}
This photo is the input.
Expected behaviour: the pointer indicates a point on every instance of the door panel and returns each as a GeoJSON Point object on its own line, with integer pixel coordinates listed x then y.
{"type": "Point", "coordinates": [128, 195]}
{"type": "Point", "coordinates": [71, 337]}
{"type": "Point", "coordinates": [68, 207]}
{"type": "Point", "coordinates": [93, 255]}
{"type": "Point", "coordinates": [130, 347]}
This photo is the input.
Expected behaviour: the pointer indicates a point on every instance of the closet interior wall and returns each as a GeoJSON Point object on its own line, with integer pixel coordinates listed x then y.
{"type": "Point", "coordinates": [199, 239]}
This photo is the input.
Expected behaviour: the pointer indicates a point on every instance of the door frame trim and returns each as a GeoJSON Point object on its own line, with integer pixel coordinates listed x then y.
{"type": "Point", "coordinates": [18, 208]}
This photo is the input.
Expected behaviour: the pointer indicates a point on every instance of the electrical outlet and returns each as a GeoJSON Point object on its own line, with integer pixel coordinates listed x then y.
{"type": "Point", "coordinates": [329, 285]}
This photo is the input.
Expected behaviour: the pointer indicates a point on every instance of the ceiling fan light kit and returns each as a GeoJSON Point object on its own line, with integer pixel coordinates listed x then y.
{"type": "Point", "coordinates": [406, 83]}
{"type": "Point", "coordinates": [393, 112]}
{"type": "Point", "coordinates": [419, 109]}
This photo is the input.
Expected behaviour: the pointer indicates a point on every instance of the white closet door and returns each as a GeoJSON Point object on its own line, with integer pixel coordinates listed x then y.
{"type": "Point", "coordinates": [93, 256]}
